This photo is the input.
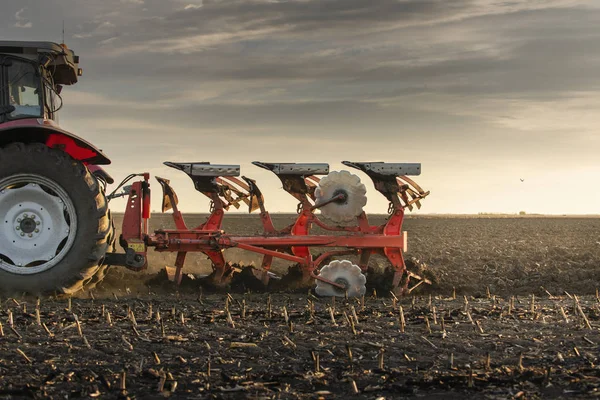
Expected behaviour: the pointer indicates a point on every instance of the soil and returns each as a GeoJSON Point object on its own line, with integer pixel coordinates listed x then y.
{"type": "Point", "coordinates": [513, 313]}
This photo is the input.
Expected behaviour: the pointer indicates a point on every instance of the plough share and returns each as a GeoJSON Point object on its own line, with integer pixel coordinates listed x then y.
{"type": "Point", "coordinates": [339, 196]}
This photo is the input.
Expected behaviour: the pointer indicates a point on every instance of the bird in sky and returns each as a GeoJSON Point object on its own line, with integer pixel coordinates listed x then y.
{"type": "Point", "coordinates": [522, 180]}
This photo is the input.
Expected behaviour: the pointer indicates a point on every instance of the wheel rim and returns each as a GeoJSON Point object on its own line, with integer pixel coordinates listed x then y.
{"type": "Point", "coordinates": [39, 224]}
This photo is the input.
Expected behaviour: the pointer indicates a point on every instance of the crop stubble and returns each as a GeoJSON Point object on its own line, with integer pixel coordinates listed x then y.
{"type": "Point", "coordinates": [503, 320]}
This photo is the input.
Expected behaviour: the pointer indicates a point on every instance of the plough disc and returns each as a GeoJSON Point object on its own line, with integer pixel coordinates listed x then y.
{"type": "Point", "coordinates": [352, 195]}
{"type": "Point", "coordinates": [343, 273]}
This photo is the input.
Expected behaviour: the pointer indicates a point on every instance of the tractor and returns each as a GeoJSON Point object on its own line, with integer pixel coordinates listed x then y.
{"type": "Point", "coordinates": [56, 231]}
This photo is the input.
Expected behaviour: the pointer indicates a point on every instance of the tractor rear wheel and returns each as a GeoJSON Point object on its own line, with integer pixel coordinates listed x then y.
{"type": "Point", "coordinates": [103, 270]}
{"type": "Point", "coordinates": [55, 226]}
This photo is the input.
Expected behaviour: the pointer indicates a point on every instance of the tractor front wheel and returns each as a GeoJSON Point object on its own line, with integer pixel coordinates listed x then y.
{"type": "Point", "coordinates": [54, 226]}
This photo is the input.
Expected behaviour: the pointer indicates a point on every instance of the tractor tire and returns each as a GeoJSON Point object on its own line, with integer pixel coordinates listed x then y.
{"type": "Point", "coordinates": [55, 228]}
{"type": "Point", "coordinates": [103, 270]}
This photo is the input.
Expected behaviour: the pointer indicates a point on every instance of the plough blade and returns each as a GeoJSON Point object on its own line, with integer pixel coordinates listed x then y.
{"type": "Point", "coordinates": [169, 198]}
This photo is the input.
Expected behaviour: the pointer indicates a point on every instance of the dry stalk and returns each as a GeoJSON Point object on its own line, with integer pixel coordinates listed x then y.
{"type": "Point", "coordinates": [123, 381]}
{"type": "Point", "coordinates": [242, 345]}
{"type": "Point", "coordinates": [402, 320]}
{"type": "Point", "coordinates": [132, 318]}
{"type": "Point", "coordinates": [354, 315]}
{"type": "Point", "coordinates": [162, 381]}
{"type": "Point", "coordinates": [332, 317]}
{"type": "Point", "coordinates": [380, 358]}
{"type": "Point", "coordinates": [1, 330]}
{"type": "Point", "coordinates": [315, 357]}
{"type": "Point", "coordinates": [17, 334]}
{"type": "Point", "coordinates": [46, 329]}
{"type": "Point", "coordinates": [78, 324]}
{"type": "Point", "coordinates": [434, 312]}
{"type": "Point", "coordinates": [470, 318]}
{"type": "Point", "coordinates": [229, 319]}
{"type": "Point", "coordinates": [429, 342]}
{"type": "Point", "coordinates": [285, 316]}
{"type": "Point", "coordinates": [24, 356]}
{"type": "Point", "coordinates": [349, 352]}
{"type": "Point", "coordinates": [479, 327]}
{"type": "Point", "coordinates": [520, 364]}
{"type": "Point", "coordinates": [127, 343]}
{"type": "Point", "coordinates": [394, 299]}
{"type": "Point", "coordinates": [352, 326]}
{"type": "Point", "coordinates": [580, 310]}
{"type": "Point", "coordinates": [289, 341]}
{"type": "Point", "coordinates": [427, 325]}
{"type": "Point", "coordinates": [451, 361]}
{"type": "Point", "coordinates": [38, 318]}
{"type": "Point", "coordinates": [353, 386]}
{"type": "Point", "coordinates": [443, 324]}
{"type": "Point", "coordinates": [470, 379]}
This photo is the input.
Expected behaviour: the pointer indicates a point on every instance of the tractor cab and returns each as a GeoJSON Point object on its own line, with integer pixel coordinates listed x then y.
{"type": "Point", "coordinates": [31, 78]}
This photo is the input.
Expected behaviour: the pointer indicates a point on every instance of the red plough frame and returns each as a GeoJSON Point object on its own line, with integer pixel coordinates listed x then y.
{"type": "Point", "coordinates": [292, 243]}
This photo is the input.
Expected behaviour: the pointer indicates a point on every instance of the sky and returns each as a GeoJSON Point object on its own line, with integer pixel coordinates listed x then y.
{"type": "Point", "coordinates": [499, 100]}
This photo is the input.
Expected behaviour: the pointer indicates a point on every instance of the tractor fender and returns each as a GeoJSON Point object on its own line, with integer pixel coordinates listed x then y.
{"type": "Point", "coordinates": [47, 132]}
{"type": "Point", "coordinates": [99, 172]}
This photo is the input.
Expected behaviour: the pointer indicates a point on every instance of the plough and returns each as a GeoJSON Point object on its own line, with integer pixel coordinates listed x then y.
{"type": "Point", "coordinates": [339, 196]}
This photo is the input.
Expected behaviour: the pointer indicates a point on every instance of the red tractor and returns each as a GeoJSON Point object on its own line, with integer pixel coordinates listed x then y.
{"type": "Point", "coordinates": [56, 227]}
{"type": "Point", "coordinates": [56, 231]}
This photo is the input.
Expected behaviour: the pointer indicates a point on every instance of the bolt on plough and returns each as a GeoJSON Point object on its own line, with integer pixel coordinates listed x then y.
{"type": "Point", "coordinates": [339, 196]}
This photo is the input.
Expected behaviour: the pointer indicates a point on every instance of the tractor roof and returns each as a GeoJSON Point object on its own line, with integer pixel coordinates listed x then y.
{"type": "Point", "coordinates": [63, 64]}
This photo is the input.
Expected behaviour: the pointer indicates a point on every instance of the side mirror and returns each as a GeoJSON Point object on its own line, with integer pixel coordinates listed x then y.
{"type": "Point", "coordinates": [59, 89]}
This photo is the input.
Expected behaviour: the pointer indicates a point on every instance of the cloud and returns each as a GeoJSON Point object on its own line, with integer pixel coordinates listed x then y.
{"type": "Point", "coordinates": [22, 22]}
{"type": "Point", "coordinates": [193, 6]}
